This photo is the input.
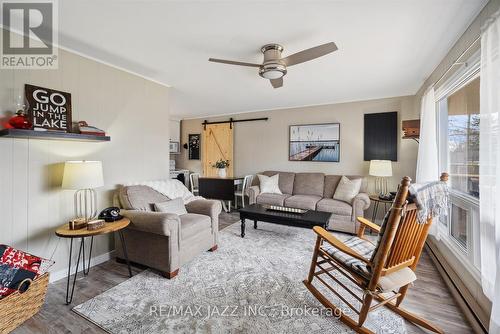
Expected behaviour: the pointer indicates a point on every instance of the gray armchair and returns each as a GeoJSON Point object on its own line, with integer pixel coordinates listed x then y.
{"type": "Point", "coordinates": [165, 241]}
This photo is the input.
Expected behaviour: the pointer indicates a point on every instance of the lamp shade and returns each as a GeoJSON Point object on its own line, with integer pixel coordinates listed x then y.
{"type": "Point", "coordinates": [82, 175]}
{"type": "Point", "coordinates": [380, 168]}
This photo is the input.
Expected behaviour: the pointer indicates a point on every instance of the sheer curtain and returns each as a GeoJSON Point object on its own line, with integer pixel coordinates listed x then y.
{"type": "Point", "coordinates": [427, 161]}
{"type": "Point", "coordinates": [489, 167]}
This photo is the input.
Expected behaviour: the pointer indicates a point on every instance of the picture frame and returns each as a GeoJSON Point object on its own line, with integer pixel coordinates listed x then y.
{"type": "Point", "coordinates": [48, 109]}
{"type": "Point", "coordinates": [314, 142]}
{"type": "Point", "coordinates": [194, 144]}
{"type": "Point", "coordinates": [174, 147]}
{"type": "Point", "coordinates": [381, 133]}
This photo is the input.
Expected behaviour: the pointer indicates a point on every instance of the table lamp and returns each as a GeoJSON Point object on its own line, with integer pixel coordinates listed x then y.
{"type": "Point", "coordinates": [381, 169]}
{"type": "Point", "coordinates": [84, 177]}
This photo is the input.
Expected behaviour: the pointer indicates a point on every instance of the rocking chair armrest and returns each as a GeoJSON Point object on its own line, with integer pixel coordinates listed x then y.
{"type": "Point", "coordinates": [366, 223]}
{"type": "Point", "coordinates": [324, 234]}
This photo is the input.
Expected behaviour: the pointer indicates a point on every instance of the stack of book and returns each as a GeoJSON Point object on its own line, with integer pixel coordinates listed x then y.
{"type": "Point", "coordinates": [86, 129]}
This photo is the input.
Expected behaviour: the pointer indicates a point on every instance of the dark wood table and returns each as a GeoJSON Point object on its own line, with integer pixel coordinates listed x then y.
{"type": "Point", "coordinates": [258, 212]}
{"type": "Point", "coordinates": [221, 188]}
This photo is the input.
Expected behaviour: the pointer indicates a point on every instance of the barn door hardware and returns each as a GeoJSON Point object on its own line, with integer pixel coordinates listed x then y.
{"type": "Point", "coordinates": [231, 121]}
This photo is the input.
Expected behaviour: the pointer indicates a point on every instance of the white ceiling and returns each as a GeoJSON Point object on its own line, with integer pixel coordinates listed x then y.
{"type": "Point", "coordinates": [386, 47]}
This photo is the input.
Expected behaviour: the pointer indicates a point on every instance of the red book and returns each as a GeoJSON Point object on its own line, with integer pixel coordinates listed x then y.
{"type": "Point", "coordinates": [93, 133]}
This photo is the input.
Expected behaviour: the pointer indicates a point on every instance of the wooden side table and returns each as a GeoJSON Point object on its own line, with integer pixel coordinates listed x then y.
{"type": "Point", "coordinates": [376, 203]}
{"type": "Point", "coordinates": [64, 232]}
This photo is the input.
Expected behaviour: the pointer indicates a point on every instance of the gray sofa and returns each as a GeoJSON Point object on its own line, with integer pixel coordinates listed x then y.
{"type": "Point", "coordinates": [314, 191]}
{"type": "Point", "coordinates": [165, 241]}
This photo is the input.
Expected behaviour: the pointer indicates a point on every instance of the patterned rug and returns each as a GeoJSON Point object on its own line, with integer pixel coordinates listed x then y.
{"type": "Point", "coordinates": [249, 285]}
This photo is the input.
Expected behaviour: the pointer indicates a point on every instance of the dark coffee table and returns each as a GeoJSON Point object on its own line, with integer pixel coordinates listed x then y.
{"type": "Point", "coordinates": [258, 212]}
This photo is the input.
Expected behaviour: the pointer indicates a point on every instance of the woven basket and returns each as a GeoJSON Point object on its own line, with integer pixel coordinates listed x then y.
{"type": "Point", "coordinates": [18, 307]}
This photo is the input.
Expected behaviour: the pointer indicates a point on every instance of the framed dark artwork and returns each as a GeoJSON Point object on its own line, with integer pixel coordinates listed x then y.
{"type": "Point", "coordinates": [194, 146]}
{"type": "Point", "coordinates": [381, 136]}
{"type": "Point", "coordinates": [314, 142]}
{"type": "Point", "coordinates": [48, 109]}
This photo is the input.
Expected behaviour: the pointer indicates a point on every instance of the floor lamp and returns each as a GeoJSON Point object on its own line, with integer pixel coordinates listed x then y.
{"type": "Point", "coordinates": [381, 169]}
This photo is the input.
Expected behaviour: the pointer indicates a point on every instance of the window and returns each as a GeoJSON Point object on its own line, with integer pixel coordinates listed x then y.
{"type": "Point", "coordinates": [458, 228]}
{"type": "Point", "coordinates": [458, 134]}
{"type": "Point", "coordinates": [463, 138]}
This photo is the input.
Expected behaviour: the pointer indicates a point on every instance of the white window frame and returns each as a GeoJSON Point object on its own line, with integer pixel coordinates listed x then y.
{"type": "Point", "coordinates": [469, 256]}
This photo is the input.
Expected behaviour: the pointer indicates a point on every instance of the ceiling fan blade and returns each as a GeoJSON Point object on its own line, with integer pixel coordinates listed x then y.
{"type": "Point", "coordinates": [277, 83]}
{"type": "Point", "coordinates": [231, 62]}
{"type": "Point", "coordinates": [309, 54]}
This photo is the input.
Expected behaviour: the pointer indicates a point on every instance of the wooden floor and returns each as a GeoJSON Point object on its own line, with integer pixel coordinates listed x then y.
{"type": "Point", "coordinates": [429, 297]}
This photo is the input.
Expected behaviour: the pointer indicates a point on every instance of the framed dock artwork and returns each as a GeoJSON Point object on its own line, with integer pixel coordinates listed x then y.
{"type": "Point", "coordinates": [315, 142]}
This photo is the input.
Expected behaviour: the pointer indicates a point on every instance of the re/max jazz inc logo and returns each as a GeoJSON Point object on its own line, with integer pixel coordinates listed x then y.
{"type": "Point", "coordinates": [29, 34]}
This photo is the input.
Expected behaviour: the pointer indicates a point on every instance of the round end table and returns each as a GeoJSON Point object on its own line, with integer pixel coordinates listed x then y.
{"type": "Point", "coordinates": [64, 232]}
{"type": "Point", "coordinates": [377, 201]}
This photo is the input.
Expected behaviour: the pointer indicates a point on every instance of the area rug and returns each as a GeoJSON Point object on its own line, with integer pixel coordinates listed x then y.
{"type": "Point", "coordinates": [249, 285]}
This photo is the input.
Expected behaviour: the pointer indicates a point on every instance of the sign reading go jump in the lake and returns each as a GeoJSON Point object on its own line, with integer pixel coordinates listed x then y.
{"type": "Point", "coordinates": [49, 109]}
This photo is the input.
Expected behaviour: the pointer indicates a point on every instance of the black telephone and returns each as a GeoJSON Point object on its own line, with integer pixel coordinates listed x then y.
{"type": "Point", "coordinates": [110, 214]}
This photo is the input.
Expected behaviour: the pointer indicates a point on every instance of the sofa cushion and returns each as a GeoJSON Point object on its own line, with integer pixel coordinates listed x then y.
{"type": "Point", "coordinates": [347, 189]}
{"type": "Point", "coordinates": [309, 184]}
{"type": "Point", "coordinates": [307, 202]}
{"type": "Point", "coordinates": [175, 205]}
{"type": "Point", "coordinates": [192, 223]}
{"type": "Point", "coordinates": [332, 181]}
{"type": "Point", "coordinates": [272, 199]}
{"type": "Point", "coordinates": [285, 180]}
{"type": "Point", "coordinates": [269, 184]}
{"type": "Point", "coordinates": [334, 206]}
{"type": "Point", "coordinates": [140, 197]}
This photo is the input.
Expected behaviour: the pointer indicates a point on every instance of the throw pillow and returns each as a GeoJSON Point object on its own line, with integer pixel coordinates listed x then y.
{"type": "Point", "coordinates": [347, 189]}
{"type": "Point", "coordinates": [18, 269]}
{"type": "Point", "coordinates": [269, 184]}
{"type": "Point", "coordinates": [175, 205]}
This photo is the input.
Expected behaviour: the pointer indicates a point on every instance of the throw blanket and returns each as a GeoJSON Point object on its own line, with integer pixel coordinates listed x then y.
{"type": "Point", "coordinates": [431, 199]}
{"type": "Point", "coordinates": [170, 188]}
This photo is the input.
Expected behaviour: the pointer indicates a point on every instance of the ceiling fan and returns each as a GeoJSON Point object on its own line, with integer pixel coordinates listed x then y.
{"type": "Point", "coordinates": [274, 67]}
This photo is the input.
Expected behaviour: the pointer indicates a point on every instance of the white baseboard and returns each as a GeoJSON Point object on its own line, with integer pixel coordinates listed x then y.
{"type": "Point", "coordinates": [94, 261]}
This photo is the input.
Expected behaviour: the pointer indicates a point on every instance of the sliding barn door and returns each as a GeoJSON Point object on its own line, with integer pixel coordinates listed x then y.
{"type": "Point", "coordinates": [217, 144]}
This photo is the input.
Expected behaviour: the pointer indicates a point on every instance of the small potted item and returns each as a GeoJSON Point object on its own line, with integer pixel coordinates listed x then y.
{"type": "Point", "coordinates": [221, 167]}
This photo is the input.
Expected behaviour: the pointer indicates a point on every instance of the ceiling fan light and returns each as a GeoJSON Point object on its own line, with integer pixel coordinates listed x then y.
{"type": "Point", "coordinates": [272, 71]}
{"type": "Point", "coordinates": [272, 74]}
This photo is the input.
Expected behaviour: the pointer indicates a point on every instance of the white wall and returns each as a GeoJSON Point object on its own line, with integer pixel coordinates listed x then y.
{"type": "Point", "coordinates": [175, 130]}
{"type": "Point", "coordinates": [263, 145]}
{"type": "Point", "coordinates": [461, 45]}
{"type": "Point", "coordinates": [132, 110]}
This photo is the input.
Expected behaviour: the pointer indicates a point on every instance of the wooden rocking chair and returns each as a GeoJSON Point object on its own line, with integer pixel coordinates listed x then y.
{"type": "Point", "coordinates": [381, 272]}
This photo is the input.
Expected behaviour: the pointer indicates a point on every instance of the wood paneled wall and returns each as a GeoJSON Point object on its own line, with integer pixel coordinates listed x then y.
{"type": "Point", "coordinates": [133, 111]}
